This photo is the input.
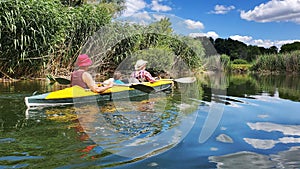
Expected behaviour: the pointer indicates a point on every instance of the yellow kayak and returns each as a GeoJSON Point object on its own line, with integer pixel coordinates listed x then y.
{"type": "Point", "coordinates": [77, 94]}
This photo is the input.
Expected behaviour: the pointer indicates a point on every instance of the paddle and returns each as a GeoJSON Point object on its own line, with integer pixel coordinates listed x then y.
{"type": "Point", "coordinates": [138, 86]}
{"type": "Point", "coordinates": [63, 81]}
{"type": "Point", "coordinates": [183, 80]}
{"type": "Point", "coordinates": [60, 80]}
{"type": "Point", "coordinates": [149, 89]}
{"type": "Point", "coordinates": [142, 87]}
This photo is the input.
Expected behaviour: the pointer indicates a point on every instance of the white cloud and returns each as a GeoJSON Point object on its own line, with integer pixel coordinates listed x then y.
{"type": "Point", "coordinates": [134, 6]}
{"type": "Point", "coordinates": [194, 24]}
{"type": "Point", "coordinates": [212, 34]}
{"type": "Point", "coordinates": [260, 42]}
{"type": "Point", "coordinates": [221, 9]}
{"type": "Point", "coordinates": [274, 11]}
{"type": "Point", "coordinates": [241, 38]}
{"type": "Point", "coordinates": [282, 42]}
{"type": "Point", "coordinates": [158, 7]}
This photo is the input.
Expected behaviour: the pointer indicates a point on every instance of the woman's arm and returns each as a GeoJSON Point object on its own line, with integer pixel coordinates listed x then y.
{"type": "Point", "coordinates": [88, 79]}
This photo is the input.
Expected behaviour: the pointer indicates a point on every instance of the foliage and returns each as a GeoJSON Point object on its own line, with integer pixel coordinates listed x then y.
{"type": "Point", "coordinates": [225, 61]}
{"type": "Point", "coordinates": [239, 61]}
{"type": "Point", "coordinates": [240, 68]}
{"type": "Point", "coordinates": [283, 62]}
{"type": "Point", "coordinates": [290, 47]}
{"type": "Point", "coordinates": [230, 47]}
{"type": "Point", "coordinates": [35, 33]}
{"type": "Point", "coordinates": [118, 41]}
{"type": "Point", "coordinates": [118, 5]}
{"type": "Point", "coordinates": [22, 35]}
{"type": "Point", "coordinates": [159, 47]}
{"type": "Point", "coordinates": [158, 58]}
{"type": "Point", "coordinates": [239, 50]}
{"type": "Point", "coordinates": [48, 36]}
{"type": "Point", "coordinates": [213, 63]}
{"type": "Point", "coordinates": [163, 26]}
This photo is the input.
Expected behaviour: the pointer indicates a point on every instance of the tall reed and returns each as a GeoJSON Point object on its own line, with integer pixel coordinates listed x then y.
{"type": "Point", "coordinates": [283, 62]}
{"type": "Point", "coordinates": [34, 33]}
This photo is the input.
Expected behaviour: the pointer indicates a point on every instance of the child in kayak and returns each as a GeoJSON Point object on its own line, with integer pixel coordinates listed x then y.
{"type": "Point", "coordinates": [83, 78]}
{"type": "Point", "coordinates": [140, 73]}
{"type": "Point", "coordinates": [116, 79]}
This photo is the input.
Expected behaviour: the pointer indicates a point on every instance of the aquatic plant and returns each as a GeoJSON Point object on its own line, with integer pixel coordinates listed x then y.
{"type": "Point", "coordinates": [282, 62]}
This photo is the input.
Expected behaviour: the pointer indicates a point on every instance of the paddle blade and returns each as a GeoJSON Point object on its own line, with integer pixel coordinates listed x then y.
{"type": "Point", "coordinates": [185, 80]}
{"type": "Point", "coordinates": [51, 79]}
{"type": "Point", "coordinates": [63, 81]}
{"type": "Point", "coordinates": [143, 88]}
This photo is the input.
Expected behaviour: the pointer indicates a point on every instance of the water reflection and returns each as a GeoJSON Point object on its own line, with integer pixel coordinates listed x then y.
{"type": "Point", "coordinates": [246, 160]}
{"type": "Point", "coordinates": [283, 86]}
{"type": "Point", "coordinates": [258, 129]}
{"type": "Point", "coordinates": [265, 126]}
{"type": "Point", "coordinates": [154, 125]}
{"type": "Point", "coordinates": [137, 129]}
{"type": "Point", "coordinates": [292, 133]}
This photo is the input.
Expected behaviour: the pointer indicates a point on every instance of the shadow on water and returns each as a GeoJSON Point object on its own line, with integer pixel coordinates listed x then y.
{"type": "Point", "coordinates": [259, 128]}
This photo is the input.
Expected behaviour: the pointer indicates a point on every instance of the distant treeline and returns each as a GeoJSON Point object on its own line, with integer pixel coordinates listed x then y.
{"type": "Point", "coordinates": [258, 59]}
{"type": "Point", "coordinates": [238, 50]}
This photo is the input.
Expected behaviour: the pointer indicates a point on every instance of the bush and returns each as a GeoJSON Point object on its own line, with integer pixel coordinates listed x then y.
{"type": "Point", "coordinates": [239, 61]}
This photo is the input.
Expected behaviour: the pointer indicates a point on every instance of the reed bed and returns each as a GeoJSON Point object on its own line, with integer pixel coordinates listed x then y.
{"type": "Point", "coordinates": [282, 62]}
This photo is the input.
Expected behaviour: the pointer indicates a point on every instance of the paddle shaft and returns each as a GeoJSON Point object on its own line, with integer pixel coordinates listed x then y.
{"type": "Point", "coordinates": [183, 80]}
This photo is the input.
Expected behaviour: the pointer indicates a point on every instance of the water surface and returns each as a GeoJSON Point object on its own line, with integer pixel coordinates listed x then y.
{"type": "Point", "coordinates": [259, 128]}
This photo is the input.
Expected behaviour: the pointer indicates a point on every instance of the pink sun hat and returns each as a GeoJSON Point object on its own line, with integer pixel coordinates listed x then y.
{"type": "Point", "coordinates": [84, 60]}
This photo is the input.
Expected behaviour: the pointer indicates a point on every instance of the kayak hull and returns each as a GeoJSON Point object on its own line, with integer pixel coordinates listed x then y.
{"type": "Point", "coordinates": [76, 94]}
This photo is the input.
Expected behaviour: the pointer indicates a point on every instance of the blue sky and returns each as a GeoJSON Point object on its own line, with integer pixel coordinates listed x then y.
{"type": "Point", "coordinates": [257, 22]}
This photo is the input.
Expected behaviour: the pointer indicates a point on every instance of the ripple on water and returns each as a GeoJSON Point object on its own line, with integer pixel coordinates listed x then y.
{"type": "Point", "coordinates": [18, 159]}
{"type": "Point", "coordinates": [14, 166]}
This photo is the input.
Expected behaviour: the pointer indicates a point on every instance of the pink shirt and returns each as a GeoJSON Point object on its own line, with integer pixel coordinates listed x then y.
{"type": "Point", "coordinates": [76, 79]}
{"type": "Point", "coordinates": [143, 76]}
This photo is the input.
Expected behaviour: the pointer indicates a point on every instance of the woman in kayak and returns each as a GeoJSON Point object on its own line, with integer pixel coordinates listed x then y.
{"type": "Point", "coordinates": [84, 79]}
{"type": "Point", "coordinates": [140, 73]}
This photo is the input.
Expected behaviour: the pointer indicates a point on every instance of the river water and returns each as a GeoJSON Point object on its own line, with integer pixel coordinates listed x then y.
{"type": "Point", "coordinates": [250, 121]}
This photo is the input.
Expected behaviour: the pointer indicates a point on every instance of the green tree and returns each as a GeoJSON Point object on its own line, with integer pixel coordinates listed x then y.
{"type": "Point", "coordinates": [290, 47]}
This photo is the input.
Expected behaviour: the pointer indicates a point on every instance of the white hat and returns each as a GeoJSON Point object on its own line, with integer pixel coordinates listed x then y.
{"type": "Point", "coordinates": [139, 64]}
